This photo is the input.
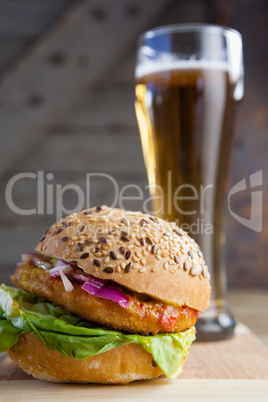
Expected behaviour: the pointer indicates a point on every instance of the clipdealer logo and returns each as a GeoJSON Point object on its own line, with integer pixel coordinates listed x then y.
{"type": "Point", "coordinates": [255, 220]}
{"type": "Point", "coordinates": [50, 198]}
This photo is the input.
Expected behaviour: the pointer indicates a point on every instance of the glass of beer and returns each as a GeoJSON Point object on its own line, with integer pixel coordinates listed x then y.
{"type": "Point", "coordinates": [189, 85]}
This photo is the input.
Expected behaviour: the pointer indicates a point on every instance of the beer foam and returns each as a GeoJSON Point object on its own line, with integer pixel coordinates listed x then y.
{"type": "Point", "coordinates": [159, 66]}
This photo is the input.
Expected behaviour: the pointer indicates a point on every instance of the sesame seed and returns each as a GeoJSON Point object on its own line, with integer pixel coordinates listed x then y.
{"type": "Point", "coordinates": [142, 241]}
{"type": "Point", "coordinates": [108, 270]}
{"type": "Point", "coordinates": [186, 265]}
{"type": "Point", "coordinates": [124, 238]}
{"type": "Point", "coordinates": [124, 233]}
{"type": "Point", "coordinates": [148, 248]}
{"type": "Point", "coordinates": [96, 262]}
{"type": "Point", "coordinates": [204, 273]}
{"type": "Point", "coordinates": [153, 270]}
{"type": "Point", "coordinates": [67, 255]}
{"type": "Point", "coordinates": [57, 231]}
{"type": "Point", "coordinates": [125, 221]}
{"type": "Point", "coordinates": [82, 228]}
{"type": "Point", "coordinates": [96, 269]}
{"type": "Point", "coordinates": [135, 259]}
{"type": "Point", "coordinates": [85, 255]}
{"type": "Point", "coordinates": [113, 255]}
{"type": "Point", "coordinates": [102, 240]}
{"type": "Point", "coordinates": [43, 238]}
{"type": "Point", "coordinates": [166, 265]}
{"type": "Point", "coordinates": [166, 234]}
{"type": "Point", "coordinates": [64, 238]}
{"type": "Point", "coordinates": [96, 250]}
{"type": "Point", "coordinates": [142, 222]}
{"type": "Point", "coordinates": [95, 241]}
{"type": "Point", "coordinates": [122, 250]}
{"type": "Point", "coordinates": [144, 252]}
{"type": "Point", "coordinates": [191, 254]}
{"type": "Point", "coordinates": [143, 262]}
{"type": "Point", "coordinates": [123, 264]}
{"type": "Point", "coordinates": [128, 254]}
{"type": "Point", "coordinates": [176, 259]}
{"type": "Point", "coordinates": [131, 246]}
{"type": "Point", "coordinates": [142, 270]}
{"type": "Point", "coordinates": [172, 271]}
{"type": "Point", "coordinates": [154, 249]}
{"type": "Point", "coordinates": [118, 269]}
{"type": "Point", "coordinates": [158, 256]}
{"type": "Point", "coordinates": [149, 241]}
{"type": "Point", "coordinates": [196, 270]}
{"type": "Point", "coordinates": [178, 232]}
{"type": "Point", "coordinates": [80, 246]}
{"type": "Point", "coordinates": [106, 260]}
{"type": "Point", "coordinates": [88, 242]}
{"type": "Point", "coordinates": [74, 255]}
{"type": "Point", "coordinates": [200, 253]}
{"type": "Point", "coordinates": [128, 268]}
{"type": "Point", "coordinates": [98, 209]}
{"type": "Point", "coordinates": [112, 232]}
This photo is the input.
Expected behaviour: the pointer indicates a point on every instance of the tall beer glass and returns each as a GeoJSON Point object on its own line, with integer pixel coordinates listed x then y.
{"type": "Point", "coordinates": [189, 83]}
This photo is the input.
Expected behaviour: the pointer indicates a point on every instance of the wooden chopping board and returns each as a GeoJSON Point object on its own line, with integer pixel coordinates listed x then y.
{"type": "Point", "coordinates": [235, 369]}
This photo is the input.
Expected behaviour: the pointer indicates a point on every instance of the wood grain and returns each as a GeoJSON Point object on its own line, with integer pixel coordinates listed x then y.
{"type": "Point", "coordinates": [151, 391]}
{"type": "Point", "coordinates": [26, 18]}
{"type": "Point", "coordinates": [59, 68]}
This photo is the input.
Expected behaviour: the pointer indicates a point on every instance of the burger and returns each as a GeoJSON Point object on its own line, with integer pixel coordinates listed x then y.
{"type": "Point", "coordinates": [109, 296]}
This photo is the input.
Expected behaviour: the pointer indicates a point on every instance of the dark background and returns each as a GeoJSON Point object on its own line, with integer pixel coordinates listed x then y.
{"type": "Point", "coordinates": [98, 132]}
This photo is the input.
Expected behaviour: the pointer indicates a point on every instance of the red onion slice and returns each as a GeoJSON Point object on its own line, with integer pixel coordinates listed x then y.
{"type": "Point", "coordinates": [97, 287]}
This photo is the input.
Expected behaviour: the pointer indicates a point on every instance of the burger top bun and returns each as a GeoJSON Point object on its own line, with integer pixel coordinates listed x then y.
{"type": "Point", "coordinates": [143, 253]}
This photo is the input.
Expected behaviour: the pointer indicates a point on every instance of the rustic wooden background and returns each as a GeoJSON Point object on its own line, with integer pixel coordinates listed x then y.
{"type": "Point", "coordinates": [67, 108]}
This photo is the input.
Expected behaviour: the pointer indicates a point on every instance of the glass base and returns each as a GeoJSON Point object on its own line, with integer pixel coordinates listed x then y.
{"type": "Point", "coordinates": [219, 326]}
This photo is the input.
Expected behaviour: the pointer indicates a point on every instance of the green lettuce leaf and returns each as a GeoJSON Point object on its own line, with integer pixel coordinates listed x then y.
{"type": "Point", "coordinates": [22, 312]}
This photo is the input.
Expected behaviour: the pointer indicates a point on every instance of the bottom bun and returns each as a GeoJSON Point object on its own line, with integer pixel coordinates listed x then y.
{"type": "Point", "coordinates": [118, 366]}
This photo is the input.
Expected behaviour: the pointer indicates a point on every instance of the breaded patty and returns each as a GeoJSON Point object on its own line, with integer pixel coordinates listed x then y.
{"type": "Point", "coordinates": [145, 317]}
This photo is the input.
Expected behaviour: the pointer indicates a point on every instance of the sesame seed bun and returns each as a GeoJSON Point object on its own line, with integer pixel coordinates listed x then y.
{"type": "Point", "coordinates": [110, 367]}
{"type": "Point", "coordinates": [143, 253]}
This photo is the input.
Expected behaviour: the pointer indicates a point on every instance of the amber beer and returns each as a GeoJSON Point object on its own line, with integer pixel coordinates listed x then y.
{"type": "Point", "coordinates": [186, 118]}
